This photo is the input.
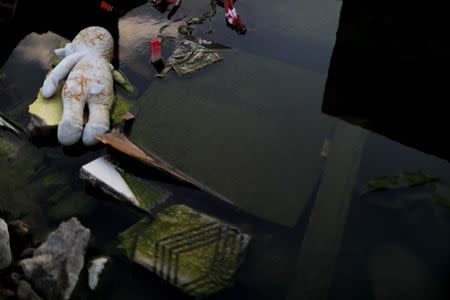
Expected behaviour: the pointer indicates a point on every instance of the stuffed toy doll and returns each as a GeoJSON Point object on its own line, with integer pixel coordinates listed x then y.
{"type": "Point", "coordinates": [87, 66]}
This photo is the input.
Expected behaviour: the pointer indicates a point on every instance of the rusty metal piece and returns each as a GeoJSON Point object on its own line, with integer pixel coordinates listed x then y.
{"type": "Point", "coordinates": [122, 143]}
{"type": "Point", "coordinates": [127, 116]}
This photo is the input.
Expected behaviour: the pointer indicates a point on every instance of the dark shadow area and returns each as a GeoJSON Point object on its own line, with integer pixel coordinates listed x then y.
{"type": "Point", "coordinates": [65, 18]}
{"type": "Point", "coordinates": [389, 72]}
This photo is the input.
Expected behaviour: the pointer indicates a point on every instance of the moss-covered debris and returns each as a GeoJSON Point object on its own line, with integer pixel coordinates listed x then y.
{"type": "Point", "coordinates": [193, 251]}
{"type": "Point", "coordinates": [404, 180]}
{"type": "Point", "coordinates": [148, 194]}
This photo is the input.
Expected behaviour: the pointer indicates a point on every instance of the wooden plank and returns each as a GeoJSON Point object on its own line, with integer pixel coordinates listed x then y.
{"type": "Point", "coordinates": [322, 240]}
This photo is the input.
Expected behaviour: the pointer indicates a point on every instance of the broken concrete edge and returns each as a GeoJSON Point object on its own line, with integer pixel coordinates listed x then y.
{"type": "Point", "coordinates": [200, 254]}
{"type": "Point", "coordinates": [114, 185]}
{"type": "Point", "coordinates": [122, 143]}
{"type": "Point", "coordinates": [111, 179]}
{"type": "Point", "coordinates": [148, 196]}
{"type": "Point", "coordinates": [63, 253]}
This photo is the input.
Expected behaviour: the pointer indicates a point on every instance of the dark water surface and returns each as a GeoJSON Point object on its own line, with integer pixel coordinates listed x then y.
{"type": "Point", "coordinates": [330, 243]}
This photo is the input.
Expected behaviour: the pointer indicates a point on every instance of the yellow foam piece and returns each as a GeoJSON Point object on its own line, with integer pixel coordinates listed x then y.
{"type": "Point", "coordinates": [50, 110]}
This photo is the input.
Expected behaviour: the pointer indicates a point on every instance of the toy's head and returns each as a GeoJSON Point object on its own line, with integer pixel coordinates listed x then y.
{"type": "Point", "coordinates": [92, 39]}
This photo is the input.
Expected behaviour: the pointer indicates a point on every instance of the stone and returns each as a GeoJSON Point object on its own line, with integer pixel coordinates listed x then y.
{"type": "Point", "coordinates": [20, 235]}
{"type": "Point", "coordinates": [5, 248]}
{"type": "Point", "coordinates": [193, 251]}
{"type": "Point", "coordinates": [26, 292]}
{"type": "Point", "coordinates": [96, 268]}
{"type": "Point", "coordinates": [55, 266]}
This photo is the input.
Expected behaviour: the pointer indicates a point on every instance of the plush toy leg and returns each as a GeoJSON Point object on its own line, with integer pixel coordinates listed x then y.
{"type": "Point", "coordinates": [71, 125]}
{"type": "Point", "coordinates": [98, 122]}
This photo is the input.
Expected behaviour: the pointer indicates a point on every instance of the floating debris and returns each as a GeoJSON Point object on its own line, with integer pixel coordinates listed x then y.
{"type": "Point", "coordinates": [120, 142]}
{"type": "Point", "coordinates": [55, 266]}
{"type": "Point", "coordinates": [9, 125]}
{"type": "Point", "coordinates": [96, 268]}
{"type": "Point", "coordinates": [407, 179]}
{"type": "Point", "coordinates": [211, 45]}
{"type": "Point", "coordinates": [5, 248]}
{"type": "Point", "coordinates": [189, 57]}
{"type": "Point", "coordinates": [47, 112]}
{"type": "Point", "coordinates": [325, 148]}
{"type": "Point", "coordinates": [193, 251]}
{"type": "Point", "coordinates": [125, 187]}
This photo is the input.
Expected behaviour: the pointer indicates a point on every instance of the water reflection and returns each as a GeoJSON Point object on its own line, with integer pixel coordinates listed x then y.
{"type": "Point", "coordinates": [65, 19]}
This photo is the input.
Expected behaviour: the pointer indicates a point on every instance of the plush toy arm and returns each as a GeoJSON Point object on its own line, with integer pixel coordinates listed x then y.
{"type": "Point", "coordinates": [121, 80]}
{"type": "Point", "coordinates": [59, 73]}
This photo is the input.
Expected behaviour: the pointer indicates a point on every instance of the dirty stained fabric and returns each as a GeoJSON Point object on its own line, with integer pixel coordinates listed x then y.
{"type": "Point", "coordinates": [89, 82]}
{"type": "Point", "coordinates": [189, 57]}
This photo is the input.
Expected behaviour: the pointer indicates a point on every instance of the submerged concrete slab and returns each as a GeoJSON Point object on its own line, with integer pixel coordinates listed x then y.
{"type": "Point", "coordinates": [195, 252]}
{"type": "Point", "coordinates": [248, 130]}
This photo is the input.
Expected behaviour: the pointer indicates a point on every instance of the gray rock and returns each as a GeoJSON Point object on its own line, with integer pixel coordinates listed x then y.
{"type": "Point", "coordinates": [5, 248]}
{"type": "Point", "coordinates": [55, 266]}
{"type": "Point", "coordinates": [26, 292]}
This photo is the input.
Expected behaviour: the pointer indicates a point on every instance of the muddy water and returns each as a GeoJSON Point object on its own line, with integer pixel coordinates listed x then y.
{"type": "Point", "coordinates": [340, 245]}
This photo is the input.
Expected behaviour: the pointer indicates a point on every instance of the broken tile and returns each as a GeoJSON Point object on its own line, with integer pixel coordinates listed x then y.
{"type": "Point", "coordinates": [192, 251]}
{"type": "Point", "coordinates": [123, 186]}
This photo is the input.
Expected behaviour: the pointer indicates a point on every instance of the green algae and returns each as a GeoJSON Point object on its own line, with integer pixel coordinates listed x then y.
{"type": "Point", "coordinates": [6, 148]}
{"type": "Point", "coordinates": [120, 107]}
{"type": "Point", "coordinates": [404, 180]}
{"type": "Point", "coordinates": [128, 238]}
{"type": "Point", "coordinates": [120, 78]}
{"type": "Point", "coordinates": [148, 194]}
{"type": "Point", "coordinates": [193, 251]}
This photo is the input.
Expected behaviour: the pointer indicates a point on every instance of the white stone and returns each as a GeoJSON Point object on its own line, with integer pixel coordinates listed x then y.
{"type": "Point", "coordinates": [96, 268]}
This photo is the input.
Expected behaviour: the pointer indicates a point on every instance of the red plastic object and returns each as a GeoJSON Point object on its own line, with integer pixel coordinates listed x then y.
{"type": "Point", "coordinates": [155, 48]}
{"type": "Point", "coordinates": [106, 6]}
